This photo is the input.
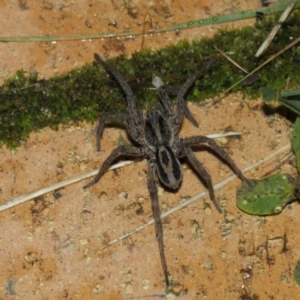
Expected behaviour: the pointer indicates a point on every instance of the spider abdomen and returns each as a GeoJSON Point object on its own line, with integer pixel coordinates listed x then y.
{"type": "Point", "coordinates": [168, 167]}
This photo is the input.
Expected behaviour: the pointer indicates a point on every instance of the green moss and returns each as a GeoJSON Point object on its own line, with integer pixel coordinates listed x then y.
{"type": "Point", "coordinates": [28, 104]}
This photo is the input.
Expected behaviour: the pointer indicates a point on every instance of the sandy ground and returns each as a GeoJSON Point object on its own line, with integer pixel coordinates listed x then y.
{"type": "Point", "coordinates": [49, 247]}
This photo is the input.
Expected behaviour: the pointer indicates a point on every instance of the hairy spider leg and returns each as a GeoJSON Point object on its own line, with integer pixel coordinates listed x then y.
{"type": "Point", "coordinates": [106, 118]}
{"type": "Point", "coordinates": [120, 151]}
{"type": "Point", "coordinates": [201, 139]}
{"type": "Point", "coordinates": [204, 175]}
{"type": "Point", "coordinates": [181, 104]}
{"type": "Point", "coordinates": [156, 214]}
{"type": "Point", "coordinates": [163, 93]}
{"type": "Point", "coordinates": [131, 101]}
{"type": "Point", "coordinates": [197, 141]}
{"type": "Point", "coordinates": [165, 101]}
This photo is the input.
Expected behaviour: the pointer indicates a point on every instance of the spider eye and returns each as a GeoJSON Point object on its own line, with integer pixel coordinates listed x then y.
{"type": "Point", "coordinates": [168, 167]}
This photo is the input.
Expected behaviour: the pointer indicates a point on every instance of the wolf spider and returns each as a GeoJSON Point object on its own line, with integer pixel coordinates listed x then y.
{"type": "Point", "coordinates": [155, 137]}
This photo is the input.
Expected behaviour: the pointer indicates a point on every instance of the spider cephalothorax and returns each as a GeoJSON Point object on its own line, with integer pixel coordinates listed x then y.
{"type": "Point", "coordinates": [159, 137]}
{"type": "Point", "coordinates": [155, 133]}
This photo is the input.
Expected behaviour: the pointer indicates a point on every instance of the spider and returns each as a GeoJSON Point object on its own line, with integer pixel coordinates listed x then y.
{"type": "Point", "coordinates": [155, 137]}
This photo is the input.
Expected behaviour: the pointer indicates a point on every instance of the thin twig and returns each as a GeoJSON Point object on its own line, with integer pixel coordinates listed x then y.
{"type": "Point", "coordinates": [231, 60]}
{"type": "Point", "coordinates": [199, 196]}
{"type": "Point", "coordinates": [296, 41]}
{"type": "Point", "coordinates": [275, 29]}
{"type": "Point", "coordinates": [23, 198]}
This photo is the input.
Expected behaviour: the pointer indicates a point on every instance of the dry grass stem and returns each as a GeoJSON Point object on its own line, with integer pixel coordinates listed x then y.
{"type": "Point", "coordinates": [275, 29]}
{"type": "Point", "coordinates": [230, 59]}
{"type": "Point", "coordinates": [296, 41]}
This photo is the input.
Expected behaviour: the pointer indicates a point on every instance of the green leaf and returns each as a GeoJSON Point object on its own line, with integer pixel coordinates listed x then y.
{"type": "Point", "coordinates": [297, 273]}
{"type": "Point", "coordinates": [296, 142]}
{"type": "Point", "coordinates": [268, 94]}
{"type": "Point", "coordinates": [267, 196]}
{"type": "Point", "coordinates": [291, 99]}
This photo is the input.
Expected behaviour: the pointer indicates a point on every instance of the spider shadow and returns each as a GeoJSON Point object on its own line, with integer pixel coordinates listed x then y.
{"type": "Point", "coordinates": [281, 110]}
{"type": "Point", "coordinates": [113, 124]}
